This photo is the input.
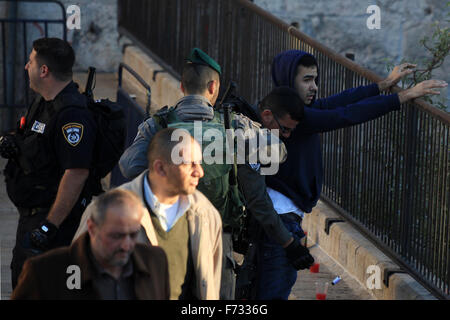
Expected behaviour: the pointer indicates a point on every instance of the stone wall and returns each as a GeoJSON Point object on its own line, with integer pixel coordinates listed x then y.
{"type": "Point", "coordinates": [358, 255]}
{"type": "Point", "coordinates": [97, 43]}
{"type": "Point", "coordinates": [341, 25]}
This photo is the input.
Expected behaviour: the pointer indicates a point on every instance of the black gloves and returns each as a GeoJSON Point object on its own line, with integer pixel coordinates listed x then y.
{"type": "Point", "coordinates": [42, 237]}
{"type": "Point", "coordinates": [299, 255]}
{"type": "Point", "coordinates": [8, 146]}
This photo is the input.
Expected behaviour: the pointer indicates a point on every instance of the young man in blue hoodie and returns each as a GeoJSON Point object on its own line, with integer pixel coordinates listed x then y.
{"type": "Point", "coordinates": [297, 185]}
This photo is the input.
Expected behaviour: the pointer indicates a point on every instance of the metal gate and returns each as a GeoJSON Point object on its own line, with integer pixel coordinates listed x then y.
{"type": "Point", "coordinates": [17, 33]}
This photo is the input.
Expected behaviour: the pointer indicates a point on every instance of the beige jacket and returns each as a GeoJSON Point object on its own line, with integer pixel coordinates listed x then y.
{"type": "Point", "coordinates": [205, 229]}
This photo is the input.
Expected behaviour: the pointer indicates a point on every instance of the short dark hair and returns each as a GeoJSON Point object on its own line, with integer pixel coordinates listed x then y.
{"type": "Point", "coordinates": [195, 77]}
{"type": "Point", "coordinates": [283, 100]}
{"type": "Point", "coordinates": [57, 55]}
{"type": "Point", "coordinates": [161, 145]}
{"type": "Point", "coordinates": [307, 61]}
{"type": "Point", "coordinates": [111, 198]}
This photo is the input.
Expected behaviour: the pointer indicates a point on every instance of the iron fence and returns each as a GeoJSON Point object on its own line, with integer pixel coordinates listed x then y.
{"type": "Point", "coordinates": [135, 115]}
{"type": "Point", "coordinates": [390, 177]}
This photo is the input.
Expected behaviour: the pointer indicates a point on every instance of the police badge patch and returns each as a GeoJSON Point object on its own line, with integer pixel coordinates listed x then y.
{"type": "Point", "coordinates": [73, 132]}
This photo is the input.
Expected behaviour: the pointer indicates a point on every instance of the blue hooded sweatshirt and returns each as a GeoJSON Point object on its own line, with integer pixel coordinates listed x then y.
{"type": "Point", "coordinates": [300, 177]}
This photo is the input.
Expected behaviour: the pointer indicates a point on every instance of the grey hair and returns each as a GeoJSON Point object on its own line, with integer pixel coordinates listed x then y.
{"type": "Point", "coordinates": [112, 198]}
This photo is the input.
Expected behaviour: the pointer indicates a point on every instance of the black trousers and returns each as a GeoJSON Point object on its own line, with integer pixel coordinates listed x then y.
{"type": "Point", "coordinates": [29, 220]}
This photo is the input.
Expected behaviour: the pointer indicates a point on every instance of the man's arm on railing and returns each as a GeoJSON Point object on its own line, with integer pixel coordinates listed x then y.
{"type": "Point", "coordinates": [353, 95]}
{"type": "Point", "coordinates": [316, 120]}
{"type": "Point", "coordinates": [347, 97]}
{"type": "Point", "coordinates": [396, 75]}
{"type": "Point", "coordinates": [421, 89]}
{"type": "Point", "coordinates": [319, 120]}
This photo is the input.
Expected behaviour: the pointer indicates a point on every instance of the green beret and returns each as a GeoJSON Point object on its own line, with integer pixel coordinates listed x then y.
{"type": "Point", "coordinates": [197, 56]}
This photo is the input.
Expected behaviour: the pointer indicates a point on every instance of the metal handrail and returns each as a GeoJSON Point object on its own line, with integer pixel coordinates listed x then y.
{"type": "Point", "coordinates": [141, 81]}
{"type": "Point", "coordinates": [339, 58]}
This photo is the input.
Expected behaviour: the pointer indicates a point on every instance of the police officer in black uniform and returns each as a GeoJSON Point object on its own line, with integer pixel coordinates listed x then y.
{"type": "Point", "coordinates": [48, 174]}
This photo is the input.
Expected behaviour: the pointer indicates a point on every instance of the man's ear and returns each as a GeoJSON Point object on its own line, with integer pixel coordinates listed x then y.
{"type": "Point", "coordinates": [44, 72]}
{"type": "Point", "coordinates": [90, 227]}
{"type": "Point", "coordinates": [181, 87]}
{"type": "Point", "coordinates": [159, 168]}
{"type": "Point", "coordinates": [212, 86]}
{"type": "Point", "coordinates": [266, 116]}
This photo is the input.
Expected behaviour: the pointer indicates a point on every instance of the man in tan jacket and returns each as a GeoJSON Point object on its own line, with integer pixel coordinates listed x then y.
{"type": "Point", "coordinates": [179, 218]}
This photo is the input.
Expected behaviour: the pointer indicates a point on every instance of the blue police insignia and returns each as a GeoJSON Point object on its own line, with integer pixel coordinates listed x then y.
{"type": "Point", "coordinates": [255, 166]}
{"type": "Point", "coordinates": [73, 132]}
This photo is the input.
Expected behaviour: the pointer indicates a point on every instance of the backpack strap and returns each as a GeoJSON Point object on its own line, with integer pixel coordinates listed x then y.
{"type": "Point", "coordinates": [153, 125]}
{"type": "Point", "coordinates": [161, 119]}
{"type": "Point", "coordinates": [69, 100]}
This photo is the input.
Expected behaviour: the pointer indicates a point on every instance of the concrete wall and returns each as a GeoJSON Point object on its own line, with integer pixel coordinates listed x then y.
{"type": "Point", "coordinates": [344, 243]}
{"type": "Point", "coordinates": [355, 254]}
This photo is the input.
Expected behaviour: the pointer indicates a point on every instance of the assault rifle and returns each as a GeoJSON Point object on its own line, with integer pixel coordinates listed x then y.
{"type": "Point", "coordinates": [88, 91]}
{"type": "Point", "coordinates": [227, 108]}
{"type": "Point", "coordinates": [247, 273]}
{"type": "Point", "coordinates": [237, 103]}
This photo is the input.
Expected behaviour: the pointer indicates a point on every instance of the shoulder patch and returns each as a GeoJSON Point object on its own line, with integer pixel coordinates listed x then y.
{"type": "Point", "coordinates": [38, 127]}
{"type": "Point", "coordinates": [73, 133]}
{"type": "Point", "coordinates": [245, 123]}
{"type": "Point", "coordinates": [255, 166]}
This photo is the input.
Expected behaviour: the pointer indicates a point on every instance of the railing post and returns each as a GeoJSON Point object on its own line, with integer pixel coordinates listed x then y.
{"type": "Point", "coordinates": [9, 64]}
{"type": "Point", "coordinates": [408, 181]}
{"type": "Point", "coordinates": [346, 156]}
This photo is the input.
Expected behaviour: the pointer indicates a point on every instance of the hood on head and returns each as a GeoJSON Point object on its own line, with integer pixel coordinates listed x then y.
{"type": "Point", "coordinates": [284, 67]}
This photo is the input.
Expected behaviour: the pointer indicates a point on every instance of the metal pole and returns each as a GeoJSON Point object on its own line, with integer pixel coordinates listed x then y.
{"type": "Point", "coordinates": [10, 63]}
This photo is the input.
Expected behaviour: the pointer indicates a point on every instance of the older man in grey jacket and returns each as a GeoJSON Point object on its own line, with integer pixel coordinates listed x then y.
{"type": "Point", "coordinates": [180, 219]}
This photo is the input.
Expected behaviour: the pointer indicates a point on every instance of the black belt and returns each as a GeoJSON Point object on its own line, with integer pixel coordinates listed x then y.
{"type": "Point", "coordinates": [228, 229]}
{"type": "Point", "coordinates": [293, 216]}
{"type": "Point", "coordinates": [28, 212]}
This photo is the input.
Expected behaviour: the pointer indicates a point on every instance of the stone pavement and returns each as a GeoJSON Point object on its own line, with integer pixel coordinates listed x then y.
{"type": "Point", "coordinates": [347, 289]}
{"type": "Point", "coordinates": [8, 226]}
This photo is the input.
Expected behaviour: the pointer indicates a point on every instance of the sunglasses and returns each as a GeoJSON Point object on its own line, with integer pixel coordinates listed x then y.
{"type": "Point", "coordinates": [283, 129]}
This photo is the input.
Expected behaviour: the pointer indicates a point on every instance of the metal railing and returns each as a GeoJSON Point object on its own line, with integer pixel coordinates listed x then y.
{"type": "Point", "coordinates": [16, 37]}
{"type": "Point", "coordinates": [390, 177]}
{"type": "Point", "coordinates": [135, 115]}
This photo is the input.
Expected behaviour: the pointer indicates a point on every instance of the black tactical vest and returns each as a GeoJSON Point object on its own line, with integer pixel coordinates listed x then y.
{"type": "Point", "coordinates": [32, 178]}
